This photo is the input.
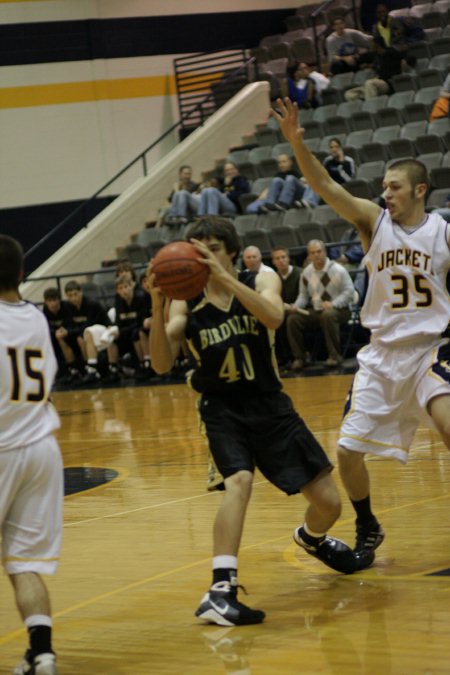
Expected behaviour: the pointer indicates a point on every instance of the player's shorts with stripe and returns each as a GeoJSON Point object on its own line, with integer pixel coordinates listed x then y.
{"type": "Point", "coordinates": [31, 504]}
{"type": "Point", "coordinates": [262, 430]}
{"type": "Point", "coordinates": [389, 396]}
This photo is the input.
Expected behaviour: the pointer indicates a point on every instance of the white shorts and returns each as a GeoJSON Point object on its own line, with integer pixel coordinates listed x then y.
{"type": "Point", "coordinates": [389, 396]}
{"type": "Point", "coordinates": [31, 504]}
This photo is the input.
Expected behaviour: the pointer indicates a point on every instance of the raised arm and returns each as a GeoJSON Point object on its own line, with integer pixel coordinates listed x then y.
{"type": "Point", "coordinates": [361, 212]}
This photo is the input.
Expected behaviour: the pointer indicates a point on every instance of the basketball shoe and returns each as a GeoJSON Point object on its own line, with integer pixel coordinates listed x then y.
{"type": "Point", "coordinates": [221, 606]}
{"type": "Point", "coordinates": [43, 664]}
{"type": "Point", "coordinates": [368, 538]}
{"type": "Point", "coordinates": [332, 552]}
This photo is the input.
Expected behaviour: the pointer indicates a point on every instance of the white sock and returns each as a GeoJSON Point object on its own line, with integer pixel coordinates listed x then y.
{"type": "Point", "coordinates": [224, 562]}
{"type": "Point", "coordinates": [38, 620]}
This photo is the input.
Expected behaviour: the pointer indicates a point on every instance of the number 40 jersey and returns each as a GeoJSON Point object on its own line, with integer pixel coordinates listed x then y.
{"type": "Point", "coordinates": [235, 353]}
{"type": "Point", "coordinates": [407, 298]}
{"type": "Point", "coordinates": [27, 370]}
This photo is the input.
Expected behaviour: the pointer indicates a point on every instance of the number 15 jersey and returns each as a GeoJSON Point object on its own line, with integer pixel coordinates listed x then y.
{"type": "Point", "coordinates": [27, 370]}
{"type": "Point", "coordinates": [407, 296]}
{"type": "Point", "coordinates": [234, 351]}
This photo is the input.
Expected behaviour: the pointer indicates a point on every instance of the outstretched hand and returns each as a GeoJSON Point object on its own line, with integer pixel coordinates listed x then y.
{"type": "Point", "coordinates": [286, 113]}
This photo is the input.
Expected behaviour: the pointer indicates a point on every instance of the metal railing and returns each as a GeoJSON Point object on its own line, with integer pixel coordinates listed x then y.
{"type": "Point", "coordinates": [205, 107]}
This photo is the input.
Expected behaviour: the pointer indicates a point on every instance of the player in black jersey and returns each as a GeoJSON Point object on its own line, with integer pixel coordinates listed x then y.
{"type": "Point", "coordinates": [249, 421]}
{"type": "Point", "coordinates": [59, 315]}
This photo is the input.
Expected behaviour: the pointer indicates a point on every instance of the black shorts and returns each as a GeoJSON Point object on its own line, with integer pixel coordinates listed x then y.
{"type": "Point", "coordinates": [262, 430]}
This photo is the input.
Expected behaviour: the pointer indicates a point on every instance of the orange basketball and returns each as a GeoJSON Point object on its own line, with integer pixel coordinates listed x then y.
{"type": "Point", "coordinates": [178, 272]}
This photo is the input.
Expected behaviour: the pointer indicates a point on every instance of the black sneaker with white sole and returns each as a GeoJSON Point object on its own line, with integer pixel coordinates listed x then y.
{"type": "Point", "coordinates": [332, 552]}
{"type": "Point", "coordinates": [221, 606]}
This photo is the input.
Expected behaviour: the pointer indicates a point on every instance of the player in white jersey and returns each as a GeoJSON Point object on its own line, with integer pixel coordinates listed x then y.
{"type": "Point", "coordinates": [404, 373]}
{"type": "Point", "coordinates": [31, 478]}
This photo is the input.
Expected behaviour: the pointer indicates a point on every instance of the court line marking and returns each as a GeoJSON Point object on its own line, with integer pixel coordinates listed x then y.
{"type": "Point", "coordinates": [142, 582]}
{"type": "Point", "coordinates": [149, 506]}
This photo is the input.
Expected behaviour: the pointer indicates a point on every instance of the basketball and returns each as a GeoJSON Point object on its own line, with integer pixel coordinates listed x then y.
{"type": "Point", "coordinates": [178, 272]}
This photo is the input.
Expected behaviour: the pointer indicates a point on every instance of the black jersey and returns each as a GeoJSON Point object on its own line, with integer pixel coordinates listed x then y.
{"type": "Point", "coordinates": [63, 317]}
{"type": "Point", "coordinates": [131, 316]}
{"type": "Point", "coordinates": [234, 351]}
{"type": "Point", "coordinates": [90, 313]}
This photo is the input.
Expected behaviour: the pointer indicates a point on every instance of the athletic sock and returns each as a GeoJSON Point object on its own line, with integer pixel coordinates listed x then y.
{"type": "Point", "coordinates": [364, 515]}
{"type": "Point", "coordinates": [40, 633]}
{"type": "Point", "coordinates": [224, 568]}
{"type": "Point", "coordinates": [310, 537]}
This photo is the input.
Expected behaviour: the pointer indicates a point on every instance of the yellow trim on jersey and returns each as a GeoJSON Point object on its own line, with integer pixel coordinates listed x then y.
{"type": "Point", "coordinates": [371, 442]}
{"type": "Point", "coordinates": [89, 91]}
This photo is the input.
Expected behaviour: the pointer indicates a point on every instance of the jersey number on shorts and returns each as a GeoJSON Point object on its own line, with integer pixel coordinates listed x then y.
{"type": "Point", "coordinates": [17, 358]}
{"type": "Point", "coordinates": [403, 291]}
{"type": "Point", "coordinates": [229, 370]}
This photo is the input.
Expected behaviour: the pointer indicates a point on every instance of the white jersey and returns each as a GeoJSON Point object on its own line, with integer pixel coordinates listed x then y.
{"type": "Point", "coordinates": [407, 297]}
{"type": "Point", "coordinates": [27, 370]}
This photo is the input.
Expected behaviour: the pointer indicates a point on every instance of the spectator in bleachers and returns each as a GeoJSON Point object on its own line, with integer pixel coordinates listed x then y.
{"type": "Point", "coordinates": [84, 313]}
{"type": "Point", "coordinates": [252, 259]}
{"type": "Point", "coordinates": [184, 201]}
{"type": "Point", "coordinates": [144, 331]}
{"type": "Point", "coordinates": [224, 198]}
{"type": "Point", "coordinates": [350, 253]}
{"type": "Point", "coordinates": [290, 284]}
{"type": "Point", "coordinates": [58, 315]}
{"type": "Point", "coordinates": [341, 167]}
{"type": "Point", "coordinates": [384, 24]}
{"type": "Point", "coordinates": [386, 62]}
{"type": "Point", "coordinates": [320, 80]}
{"type": "Point", "coordinates": [344, 47]}
{"type": "Point", "coordinates": [301, 88]}
{"type": "Point", "coordinates": [326, 293]}
{"type": "Point", "coordinates": [441, 107]}
{"type": "Point", "coordinates": [285, 190]}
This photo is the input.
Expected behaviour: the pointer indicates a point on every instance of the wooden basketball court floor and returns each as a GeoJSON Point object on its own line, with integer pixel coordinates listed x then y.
{"type": "Point", "coordinates": [136, 553]}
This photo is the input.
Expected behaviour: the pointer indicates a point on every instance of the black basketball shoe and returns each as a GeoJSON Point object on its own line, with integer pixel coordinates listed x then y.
{"type": "Point", "coordinates": [332, 552]}
{"type": "Point", "coordinates": [221, 606]}
{"type": "Point", "coordinates": [368, 538]}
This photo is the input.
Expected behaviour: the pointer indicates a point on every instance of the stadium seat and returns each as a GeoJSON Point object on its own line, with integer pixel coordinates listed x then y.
{"type": "Point", "coordinates": [323, 112]}
{"type": "Point", "coordinates": [400, 148]}
{"type": "Point", "coordinates": [441, 46]}
{"type": "Point", "coordinates": [245, 222]}
{"type": "Point", "coordinates": [147, 235]}
{"type": "Point", "coordinates": [437, 198]}
{"type": "Point", "coordinates": [388, 117]}
{"type": "Point", "coordinates": [359, 187]}
{"type": "Point", "coordinates": [411, 130]}
{"type": "Point", "coordinates": [337, 228]}
{"type": "Point", "coordinates": [369, 170]}
{"type": "Point", "coordinates": [296, 217]}
{"type": "Point", "coordinates": [281, 149]}
{"type": "Point", "coordinates": [432, 160]}
{"type": "Point", "coordinates": [386, 134]}
{"type": "Point", "coordinates": [348, 108]}
{"type": "Point", "coordinates": [373, 152]}
{"type": "Point", "coordinates": [363, 119]}
{"type": "Point", "coordinates": [440, 178]}
{"type": "Point", "coordinates": [429, 143]}
{"type": "Point", "coordinates": [312, 230]}
{"type": "Point", "coordinates": [430, 78]}
{"type": "Point", "coordinates": [415, 112]}
{"type": "Point", "coordinates": [374, 104]}
{"type": "Point", "coordinates": [404, 82]}
{"type": "Point", "coordinates": [285, 236]}
{"type": "Point", "coordinates": [400, 99]}
{"type": "Point", "coordinates": [359, 138]}
{"type": "Point", "coordinates": [323, 213]}
{"type": "Point", "coordinates": [439, 127]}
{"type": "Point", "coordinates": [267, 168]}
{"type": "Point", "coordinates": [337, 125]}
{"type": "Point", "coordinates": [259, 238]}
{"type": "Point", "coordinates": [269, 221]}
{"type": "Point", "coordinates": [312, 129]}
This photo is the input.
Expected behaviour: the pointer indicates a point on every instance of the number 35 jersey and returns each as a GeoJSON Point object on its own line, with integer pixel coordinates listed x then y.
{"type": "Point", "coordinates": [234, 351]}
{"type": "Point", "coordinates": [407, 297]}
{"type": "Point", "coordinates": [27, 370]}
